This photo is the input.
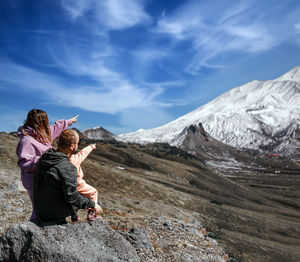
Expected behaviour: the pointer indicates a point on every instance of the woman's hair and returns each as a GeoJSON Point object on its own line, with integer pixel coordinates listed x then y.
{"type": "Point", "coordinates": [38, 120]}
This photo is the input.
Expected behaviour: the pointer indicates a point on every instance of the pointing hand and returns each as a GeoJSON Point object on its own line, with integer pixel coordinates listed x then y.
{"type": "Point", "coordinates": [74, 119]}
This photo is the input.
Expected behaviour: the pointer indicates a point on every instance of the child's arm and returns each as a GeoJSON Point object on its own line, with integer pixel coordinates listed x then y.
{"type": "Point", "coordinates": [77, 159]}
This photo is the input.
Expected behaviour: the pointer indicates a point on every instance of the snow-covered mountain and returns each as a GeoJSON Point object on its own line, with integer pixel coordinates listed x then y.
{"type": "Point", "coordinates": [98, 133]}
{"type": "Point", "coordinates": [256, 115]}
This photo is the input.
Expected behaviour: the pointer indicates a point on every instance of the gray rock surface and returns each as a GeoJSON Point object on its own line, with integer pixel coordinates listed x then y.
{"type": "Point", "coordinates": [16, 186]}
{"type": "Point", "coordinates": [138, 237]}
{"type": "Point", "coordinates": [94, 241]}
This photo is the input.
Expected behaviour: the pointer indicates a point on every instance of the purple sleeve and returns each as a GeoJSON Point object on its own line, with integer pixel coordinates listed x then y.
{"type": "Point", "coordinates": [27, 157]}
{"type": "Point", "coordinates": [58, 127]}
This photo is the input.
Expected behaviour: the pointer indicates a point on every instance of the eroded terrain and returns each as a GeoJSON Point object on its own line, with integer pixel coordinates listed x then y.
{"type": "Point", "coordinates": [250, 204]}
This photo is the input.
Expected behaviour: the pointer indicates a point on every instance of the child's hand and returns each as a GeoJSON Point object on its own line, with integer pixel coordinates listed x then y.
{"type": "Point", "coordinates": [93, 146]}
{"type": "Point", "coordinates": [98, 209]}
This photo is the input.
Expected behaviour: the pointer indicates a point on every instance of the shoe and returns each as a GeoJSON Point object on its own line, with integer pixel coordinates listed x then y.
{"type": "Point", "coordinates": [75, 218]}
{"type": "Point", "coordinates": [91, 215]}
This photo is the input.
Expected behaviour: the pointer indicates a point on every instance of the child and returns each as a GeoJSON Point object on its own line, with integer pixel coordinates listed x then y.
{"type": "Point", "coordinates": [82, 187]}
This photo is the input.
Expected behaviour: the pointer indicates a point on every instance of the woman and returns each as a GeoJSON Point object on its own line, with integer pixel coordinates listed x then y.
{"type": "Point", "coordinates": [36, 137]}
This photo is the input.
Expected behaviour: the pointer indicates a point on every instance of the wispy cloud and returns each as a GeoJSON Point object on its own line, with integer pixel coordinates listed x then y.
{"type": "Point", "coordinates": [77, 8]}
{"type": "Point", "coordinates": [231, 29]}
{"type": "Point", "coordinates": [297, 28]}
{"type": "Point", "coordinates": [230, 12]}
{"type": "Point", "coordinates": [251, 38]}
{"type": "Point", "coordinates": [112, 14]}
{"type": "Point", "coordinates": [148, 55]}
{"type": "Point", "coordinates": [112, 100]}
{"type": "Point", "coordinates": [103, 98]}
{"type": "Point", "coordinates": [181, 25]}
{"type": "Point", "coordinates": [136, 106]}
{"type": "Point", "coordinates": [119, 14]}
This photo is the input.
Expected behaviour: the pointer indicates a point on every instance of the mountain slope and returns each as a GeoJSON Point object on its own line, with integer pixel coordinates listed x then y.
{"type": "Point", "coordinates": [255, 115]}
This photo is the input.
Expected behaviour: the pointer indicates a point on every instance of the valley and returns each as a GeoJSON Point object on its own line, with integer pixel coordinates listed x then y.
{"type": "Point", "coordinates": [252, 207]}
{"type": "Point", "coordinates": [249, 203]}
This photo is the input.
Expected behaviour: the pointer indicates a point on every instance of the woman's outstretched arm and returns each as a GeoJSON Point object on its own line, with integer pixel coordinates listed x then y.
{"type": "Point", "coordinates": [61, 125]}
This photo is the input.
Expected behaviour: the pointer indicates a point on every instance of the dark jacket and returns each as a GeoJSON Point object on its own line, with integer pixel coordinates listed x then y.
{"type": "Point", "coordinates": [55, 196]}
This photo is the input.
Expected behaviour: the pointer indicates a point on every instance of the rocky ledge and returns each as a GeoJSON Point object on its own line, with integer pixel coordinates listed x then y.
{"type": "Point", "coordinates": [94, 241]}
{"type": "Point", "coordinates": [163, 240]}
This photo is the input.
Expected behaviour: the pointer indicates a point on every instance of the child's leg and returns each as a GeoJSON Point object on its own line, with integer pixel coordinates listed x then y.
{"type": "Point", "coordinates": [94, 196]}
{"type": "Point", "coordinates": [89, 191]}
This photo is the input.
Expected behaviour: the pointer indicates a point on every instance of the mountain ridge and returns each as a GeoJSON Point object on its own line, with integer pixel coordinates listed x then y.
{"type": "Point", "coordinates": [98, 133]}
{"type": "Point", "coordinates": [247, 116]}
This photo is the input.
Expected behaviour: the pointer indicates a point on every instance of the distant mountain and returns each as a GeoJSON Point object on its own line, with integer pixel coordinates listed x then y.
{"type": "Point", "coordinates": [262, 115]}
{"type": "Point", "coordinates": [196, 141]}
{"type": "Point", "coordinates": [98, 133]}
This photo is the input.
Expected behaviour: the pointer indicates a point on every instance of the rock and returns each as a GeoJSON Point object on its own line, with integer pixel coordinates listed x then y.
{"type": "Point", "coordinates": [17, 186]}
{"type": "Point", "coordinates": [94, 241]}
{"type": "Point", "coordinates": [2, 195]}
{"type": "Point", "coordinates": [217, 202]}
{"type": "Point", "coordinates": [212, 241]}
{"type": "Point", "coordinates": [138, 237]}
{"type": "Point", "coordinates": [188, 258]}
{"type": "Point", "coordinates": [194, 224]}
{"type": "Point", "coordinates": [6, 207]}
{"type": "Point", "coordinates": [195, 232]}
{"type": "Point", "coordinates": [212, 235]}
{"type": "Point", "coordinates": [165, 222]}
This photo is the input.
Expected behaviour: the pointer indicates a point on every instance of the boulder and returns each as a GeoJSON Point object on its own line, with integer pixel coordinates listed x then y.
{"type": "Point", "coordinates": [94, 241]}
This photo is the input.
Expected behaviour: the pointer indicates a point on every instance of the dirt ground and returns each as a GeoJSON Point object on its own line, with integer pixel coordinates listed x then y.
{"type": "Point", "coordinates": [250, 206]}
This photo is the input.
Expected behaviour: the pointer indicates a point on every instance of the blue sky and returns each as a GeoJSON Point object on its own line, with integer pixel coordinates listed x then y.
{"type": "Point", "coordinates": [130, 64]}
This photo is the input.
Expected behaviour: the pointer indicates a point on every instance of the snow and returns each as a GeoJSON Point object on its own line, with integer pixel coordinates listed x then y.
{"type": "Point", "coordinates": [93, 128]}
{"type": "Point", "coordinates": [239, 117]}
{"type": "Point", "coordinates": [293, 75]}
